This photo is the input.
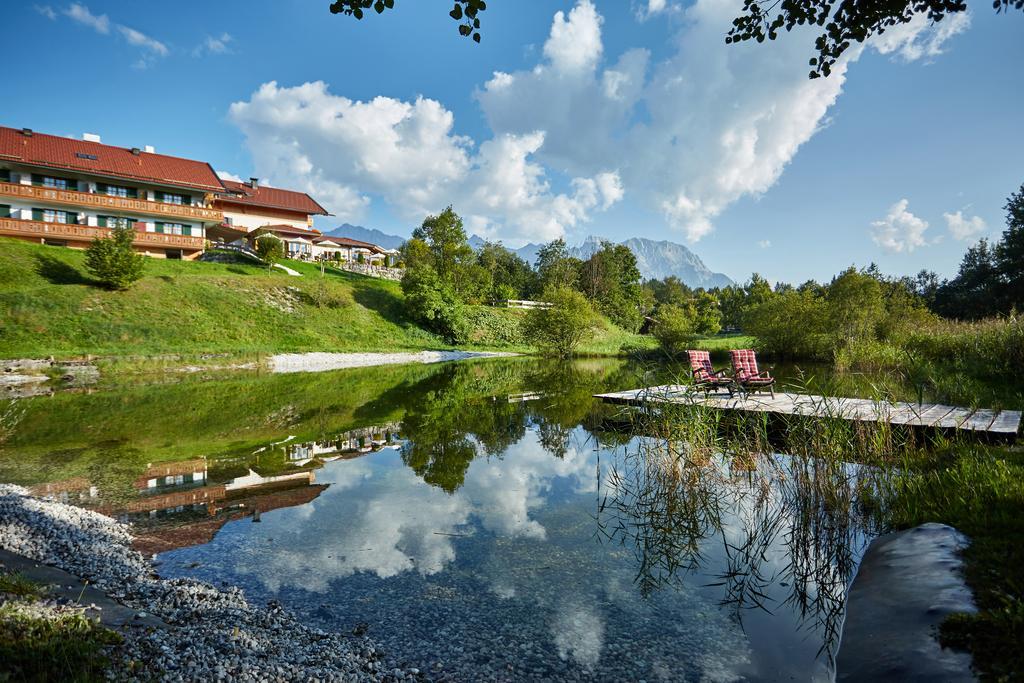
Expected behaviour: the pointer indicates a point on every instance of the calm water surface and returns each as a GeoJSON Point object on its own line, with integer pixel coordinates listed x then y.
{"type": "Point", "coordinates": [480, 520]}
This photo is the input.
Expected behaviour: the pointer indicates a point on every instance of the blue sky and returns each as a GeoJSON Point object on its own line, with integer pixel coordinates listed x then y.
{"type": "Point", "coordinates": [614, 118]}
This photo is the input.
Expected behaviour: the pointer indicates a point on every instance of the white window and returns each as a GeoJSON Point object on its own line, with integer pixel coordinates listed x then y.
{"type": "Point", "coordinates": [173, 198]}
{"type": "Point", "coordinates": [117, 191]}
{"type": "Point", "coordinates": [151, 483]}
{"type": "Point", "coordinates": [117, 222]}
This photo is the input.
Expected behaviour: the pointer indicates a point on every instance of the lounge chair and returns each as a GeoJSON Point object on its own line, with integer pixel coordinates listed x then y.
{"type": "Point", "coordinates": [746, 374]}
{"type": "Point", "coordinates": [705, 377]}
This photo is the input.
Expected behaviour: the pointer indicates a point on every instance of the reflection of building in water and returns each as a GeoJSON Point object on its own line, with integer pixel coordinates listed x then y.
{"type": "Point", "coordinates": [352, 443]}
{"type": "Point", "coordinates": [178, 504]}
{"type": "Point", "coordinates": [77, 491]}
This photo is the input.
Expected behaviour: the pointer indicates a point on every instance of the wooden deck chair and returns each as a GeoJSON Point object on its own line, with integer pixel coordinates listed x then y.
{"type": "Point", "coordinates": [746, 374]}
{"type": "Point", "coordinates": [705, 377]}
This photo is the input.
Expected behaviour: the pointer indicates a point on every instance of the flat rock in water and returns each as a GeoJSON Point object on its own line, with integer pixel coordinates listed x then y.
{"type": "Point", "coordinates": [907, 584]}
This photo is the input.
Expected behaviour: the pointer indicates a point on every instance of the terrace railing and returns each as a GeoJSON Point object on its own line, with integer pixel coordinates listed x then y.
{"type": "Point", "coordinates": [100, 202]}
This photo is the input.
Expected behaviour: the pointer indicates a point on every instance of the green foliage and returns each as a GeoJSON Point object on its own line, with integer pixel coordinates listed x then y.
{"type": "Point", "coordinates": [14, 583]}
{"type": "Point", "coordinates": [980, 491]}
{"type": "Point", "coordinates": [790, 325]}
{"type": "Point", "coordinates": [494, 327]}
{"type": "Point", "coordinates": [37, 646]}
{"type": "Point", "coordinates": [466, 12]}
{"type": "Point", "coordinates": [555, 268]}
{"type": "Point", "coordinates": [611, 279]}
{"type": "Point", "coordinates": [268, 247]}
{"type": "Point", "coordinates": [844, 25]}
{"type": "Point", "coordinates": [432, 302]}
{"type": "Point", "coordinates": [560, 329]}
{"type": "Point", "coordinates": [990, 280]}
{"type": "Point", "coordinates": [510, 276]}
{"type": "Point", "coordinates": [707, 315]}
{"type": "Point", "coordinates": [676, 327]}
{"type": "Point", "coordinates": [112, 261]}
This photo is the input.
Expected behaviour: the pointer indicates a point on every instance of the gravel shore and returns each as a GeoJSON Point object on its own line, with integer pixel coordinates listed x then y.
{"type": "Point", "coordinates": [319, 362]}
{"type": "Point", "coordinates": [212, 634]}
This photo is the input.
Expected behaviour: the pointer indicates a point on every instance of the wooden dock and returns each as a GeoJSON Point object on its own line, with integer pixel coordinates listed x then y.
{"type": "Point", "coordinates": [998, 422]}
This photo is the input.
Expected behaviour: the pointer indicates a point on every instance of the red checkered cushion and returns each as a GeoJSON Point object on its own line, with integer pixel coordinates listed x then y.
{"type": "Point", "coordinates": [700, 365]}
{"type": "Point", "coordinates": [744, 364]}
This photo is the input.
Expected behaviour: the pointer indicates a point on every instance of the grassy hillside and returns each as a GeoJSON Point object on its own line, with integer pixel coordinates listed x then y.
{"type": "Point", "coordinates": [49, 306]}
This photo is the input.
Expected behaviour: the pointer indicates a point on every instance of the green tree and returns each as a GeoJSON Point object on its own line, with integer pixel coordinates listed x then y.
{"type": "Point", "coordinates": [675, 327]}
{"type": "Point", "coordinates": [511, 276]}
{"type": "Point", "coordinates": [855, 306]}
{"type": "Point", "coordinates": [670, 290]}
{"type": "Point", "coordinates": [611, 279]}
{"type": "Point", "coordinates": [445, 238]}
{"type": "Point", "coordinates": [1009, 254]}
{"type": "Point", "coordinates": [269, 247]}
{"type": "Point", "coordinates": [976, 289]}
{"type": "Point", "coordinates": [790, 325]}
{"type": "Point", "coordinates": [113, 261]}
{"type": "Point", "coordinates": [562, 327]}
{"type": "Point", "coordinates": [555, 268]}
{"type": "Point", "coordinates": [708, 316]}
{"type": "Point", "coordinates": [432, 302]}
{"type": "Point", "coordinates": [845, 23]}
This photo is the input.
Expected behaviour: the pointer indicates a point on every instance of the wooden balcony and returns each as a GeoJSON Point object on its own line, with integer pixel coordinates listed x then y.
{"type": "Point", "coordinates": [101, 202]}
{"type": "Point", "coordinates": [16, 227]}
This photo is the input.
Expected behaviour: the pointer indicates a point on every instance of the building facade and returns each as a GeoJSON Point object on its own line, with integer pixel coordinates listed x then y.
{"type": "Point", "coordinates": [66, 192]}
{"type": "Point", "coordinates": [248, 206]}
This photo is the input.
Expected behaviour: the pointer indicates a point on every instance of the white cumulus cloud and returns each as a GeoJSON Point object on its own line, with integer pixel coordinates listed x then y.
{"type": "Point", "coordinates": [342, 150]}
{"type": "Point", "coordinates": [687, 134]}
{"type": "Point", "coordinates": [963, 227]}
{"type": "Point", "coordinates": [919, 37]}
{"type": "Point", "coordinates": [900, 230]}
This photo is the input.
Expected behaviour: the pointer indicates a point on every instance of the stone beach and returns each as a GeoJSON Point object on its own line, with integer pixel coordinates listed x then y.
{"type": "Point", "coordinates": [212, 633]}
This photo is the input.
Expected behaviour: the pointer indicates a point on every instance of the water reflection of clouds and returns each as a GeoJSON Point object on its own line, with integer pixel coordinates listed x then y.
{"type": "Point", "coordinates": [398, 523]}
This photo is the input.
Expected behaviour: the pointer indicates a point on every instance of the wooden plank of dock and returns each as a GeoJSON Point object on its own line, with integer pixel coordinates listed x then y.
{"type": "Point", "coordinates": [865, 410]}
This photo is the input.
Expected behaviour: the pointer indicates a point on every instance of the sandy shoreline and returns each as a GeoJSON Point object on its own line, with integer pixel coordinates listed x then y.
{"type": "Point", "coordinates": [320, 362]}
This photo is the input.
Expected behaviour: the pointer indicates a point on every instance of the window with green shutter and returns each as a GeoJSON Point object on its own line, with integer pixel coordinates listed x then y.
{"type": "Point", "coordinates": [5, 175]}
{"type": "Point", "coordinates": [37, 214]}
{"type": "Point", "coordinates": [54, 182]}
{"type": "Point", "coordinates": [168, 198]}
{"type": "Point", "coordinates": [117, 190]}
{"type": "Point", "coordinates": [5, 210]}
{"type": "Point", "coordinates": [115, 222]}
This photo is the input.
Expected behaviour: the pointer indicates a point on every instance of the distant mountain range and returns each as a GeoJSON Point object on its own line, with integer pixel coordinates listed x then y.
{"type": "Point", "coordinates": [655, 259]}
{"type": "Point", "coordinates": [371, 235]}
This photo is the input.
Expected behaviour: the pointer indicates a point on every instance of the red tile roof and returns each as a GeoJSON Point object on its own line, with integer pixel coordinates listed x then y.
{"type": "Point", "coordinates": [348, 242]}
{"type": "Point", "coordinates": [271, 197]}
{"type": "Point", "coordinates": [55, 152]}
{"type": "Point", "coordinates": [290, 230]}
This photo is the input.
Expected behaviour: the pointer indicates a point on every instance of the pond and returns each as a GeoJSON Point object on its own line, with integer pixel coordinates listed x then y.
{"type": "Point", "coordinates": [480, 520]}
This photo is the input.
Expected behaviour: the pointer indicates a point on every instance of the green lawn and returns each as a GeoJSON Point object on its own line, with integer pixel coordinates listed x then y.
{"type": "Point", "coordinates": [50, 307]}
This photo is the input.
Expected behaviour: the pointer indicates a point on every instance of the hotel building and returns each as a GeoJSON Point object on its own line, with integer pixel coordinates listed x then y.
{"type": "Point", "coordinates": [66, 192]}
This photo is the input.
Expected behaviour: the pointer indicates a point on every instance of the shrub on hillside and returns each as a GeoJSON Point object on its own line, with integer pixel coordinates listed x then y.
{"type": "Point", "coordinates": [433, 303]}
{"type": "Point", "coordinates": [112, 261]}
{"type": "Point", "coordinates": [562, 327]}
{"type": "Point", "coordinates": [269, 247]}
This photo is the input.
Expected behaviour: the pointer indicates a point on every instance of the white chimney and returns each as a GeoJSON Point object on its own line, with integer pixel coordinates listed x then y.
{"type": "Point", "coordinates": [150, 149]}
{"type": "Point", "coordinates": [91, 137]}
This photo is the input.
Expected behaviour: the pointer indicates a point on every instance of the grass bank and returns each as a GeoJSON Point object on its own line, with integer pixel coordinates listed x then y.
{"type": "Point", "coordinates": [980, 491]}
{"type": "Point", "coordinates": [183, 310]}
